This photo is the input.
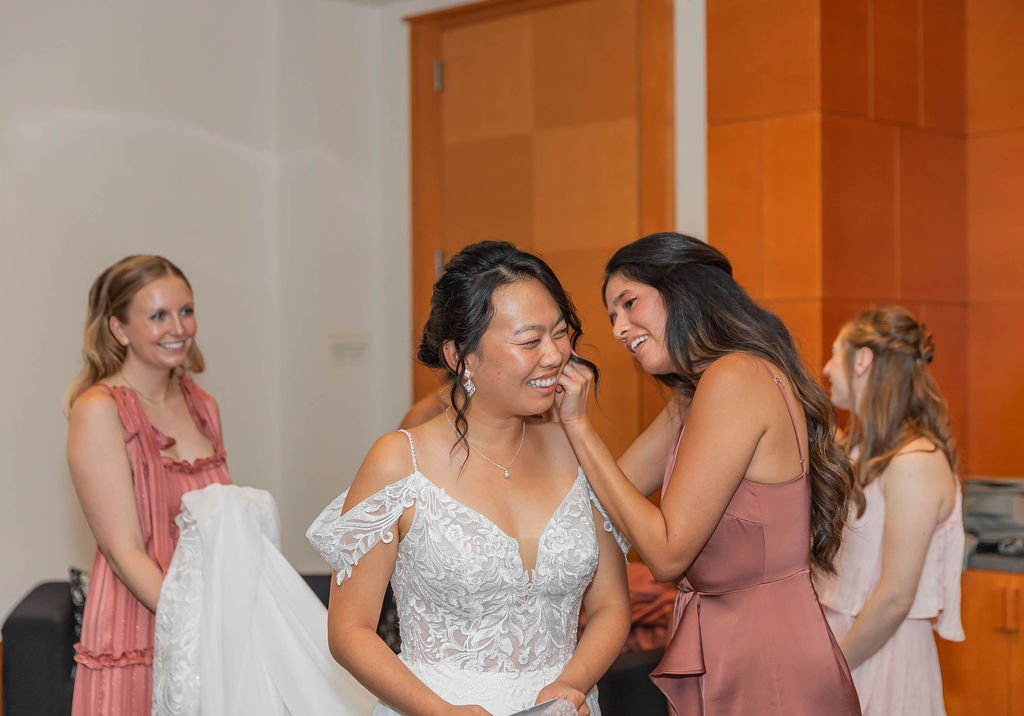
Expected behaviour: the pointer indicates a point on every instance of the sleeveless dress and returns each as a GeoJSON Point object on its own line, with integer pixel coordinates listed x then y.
{"type": "Point", "coordinates": [115, 654]}
{"type": "Point", "coordinates": [476, 627]}
{"type": "Point", "coordinates": [903, 676]}
{"type": "Point", "coordinates": [749, 638]}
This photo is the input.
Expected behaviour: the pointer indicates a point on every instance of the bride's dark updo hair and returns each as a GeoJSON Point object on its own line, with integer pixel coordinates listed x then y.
{"type": "Point", "coordinates": [461, 310]}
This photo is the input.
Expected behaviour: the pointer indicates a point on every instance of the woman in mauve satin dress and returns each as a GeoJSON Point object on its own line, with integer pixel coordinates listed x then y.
{"type": "Point", "coordinates": [754, 485]}
{"type": "Point", "coordinates": [140, 435]}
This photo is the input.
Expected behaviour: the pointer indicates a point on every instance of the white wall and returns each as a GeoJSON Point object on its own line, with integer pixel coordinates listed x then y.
{"type": "Point", "coordinates": [129, 127]}
{"type": "Point", "coordinates": [264, 146]}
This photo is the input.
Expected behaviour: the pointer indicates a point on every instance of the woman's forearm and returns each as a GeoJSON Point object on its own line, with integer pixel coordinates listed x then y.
{"type": "Point", "coordinates": [642, 522]}
{"type": "Point", "coordinates": [362, 652]}
{"type": "Point", "coordinates": [139, 573]}
{"type": "Point", "coordinates": [600, 644]}
{"type": "Point", "coordinates": [881, 616]}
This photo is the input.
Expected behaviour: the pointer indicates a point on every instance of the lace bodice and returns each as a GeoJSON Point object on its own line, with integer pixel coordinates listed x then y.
{"type": "Point", "coordinates": [465, 601]}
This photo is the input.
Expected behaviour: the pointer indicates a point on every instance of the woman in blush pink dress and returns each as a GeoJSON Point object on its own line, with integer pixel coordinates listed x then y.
{"type": "Point", "coordinates": [754, 488]}
{"type": "Point", "coordinates": [898, 572]}
{"type": "Point", "coordinates": [140, 435]}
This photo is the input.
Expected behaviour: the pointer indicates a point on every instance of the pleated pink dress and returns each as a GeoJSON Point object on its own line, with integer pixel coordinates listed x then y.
{"type": "Point", "coordinates": [748, 635]}
{"type": "Point", "coordinates": [115, 655]}
{"type": "Point", "coordinates": [902, 678]}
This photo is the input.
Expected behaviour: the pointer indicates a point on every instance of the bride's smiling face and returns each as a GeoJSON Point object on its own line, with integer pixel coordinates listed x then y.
{"type": "Point", "coordinates": [516, 365]}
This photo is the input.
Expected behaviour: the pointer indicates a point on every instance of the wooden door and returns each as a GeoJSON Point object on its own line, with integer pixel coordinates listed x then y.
{"type": "Point", "coordinates": [546, 123]}
{"type": "Point", "coordinates": [977, 673]}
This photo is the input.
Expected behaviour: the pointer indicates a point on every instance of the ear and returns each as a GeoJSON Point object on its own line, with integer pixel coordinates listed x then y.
{"type": "Point", "coordinates": [117, 330]}
{"type": "Point", "coordinates": [862, 360]}
{"type": "Point", "coordinates": [451, 356]}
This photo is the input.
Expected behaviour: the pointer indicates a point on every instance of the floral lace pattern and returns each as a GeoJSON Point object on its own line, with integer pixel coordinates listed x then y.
{"type": "Point", "coordinates": [176, 683]}
{"type": "Point", "coordinates": [468, 610]}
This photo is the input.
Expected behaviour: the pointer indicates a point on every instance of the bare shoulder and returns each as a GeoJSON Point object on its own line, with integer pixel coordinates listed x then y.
{"type": "Point", "coordinates": [95, 432]}
{"type": "Point", "coordinates": [95, 408]}
{"type": "Point", "coordinates": [733, 374]}
{"type": "Point", "coordinates": [920, 457]}
{"type": "Point", "coordinates": [388, 461]}
{"type": "Point", "coordinates": [920, 467]}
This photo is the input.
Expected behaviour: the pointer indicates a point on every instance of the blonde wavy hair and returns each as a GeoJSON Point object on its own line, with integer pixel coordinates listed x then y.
{"type": "Point", "coordinates": [111, 295]}
{"type": "Point", "coordinates": [900, 401]}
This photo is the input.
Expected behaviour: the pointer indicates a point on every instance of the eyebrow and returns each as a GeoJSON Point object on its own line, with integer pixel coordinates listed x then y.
{"type": "Point", "coordinates": [623, 292]}
{"type": "Point", "coordinates": [538, 327]}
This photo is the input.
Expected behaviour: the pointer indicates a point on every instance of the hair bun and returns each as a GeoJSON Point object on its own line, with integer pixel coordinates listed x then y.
{"type": "Point", "coordinates": [925, 346]}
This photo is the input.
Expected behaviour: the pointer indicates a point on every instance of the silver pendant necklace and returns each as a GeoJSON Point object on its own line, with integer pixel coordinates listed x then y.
{"type": "Point", "coordinates": [503, 468]}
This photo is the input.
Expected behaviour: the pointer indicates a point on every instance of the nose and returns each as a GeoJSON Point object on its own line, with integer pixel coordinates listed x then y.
{"type": "Point", "coordinates": [620, 328]}
{"type": "Point", "coordinates": [827, 370]}
{"type": "Point", "coordinates": [177, 324]}
{"type": "Point", "coordinates": [552, 355]}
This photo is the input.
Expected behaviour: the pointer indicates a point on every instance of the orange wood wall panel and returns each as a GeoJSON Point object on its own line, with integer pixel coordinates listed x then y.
{"type": "Point", "coordinates": [859, 208]}
{"type": "Point", "coordinates": [996, 388]}
{"type": "Point", "coordinates": [943, 70]}
{"type": "Point", "coordinates": [762, 57]}
{"type": "Point", "coordinates": [995, 200]}
{"type": "Point", "coordinates": [995, 234]}
{"type": "Point", "coordinates": [734, 199]}
{"type": "Point", "coordinates": [859, 199]}
{"type": "Point", "coordinates": [791, 206]}
{"type": "Point", "coordinates": [995, 65]}
{"type": "Point", "coordinates": [932, 227]}
{"type": "Point", "coordinates": [895, 60]}
{"type": "Point", "coordinates": [803, 319]}
{"type": "Point", "coordinates": [845, 56]}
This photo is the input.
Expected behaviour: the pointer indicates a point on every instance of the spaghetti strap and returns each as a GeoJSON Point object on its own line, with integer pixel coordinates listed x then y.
{"type": "Point", "coordinates": [412, 449]}
{"type": "Point", "coordinates": [789, 409]}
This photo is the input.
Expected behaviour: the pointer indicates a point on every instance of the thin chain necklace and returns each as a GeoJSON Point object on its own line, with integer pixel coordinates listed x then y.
{"type": "Point", "coordinates": [141, 394]}
{"type": "Point", "coordinates": [504, 468]}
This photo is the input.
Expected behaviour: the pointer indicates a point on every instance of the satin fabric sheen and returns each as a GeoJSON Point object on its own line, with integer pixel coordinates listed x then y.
{"type": "Point", "coordinates": [748, 636]}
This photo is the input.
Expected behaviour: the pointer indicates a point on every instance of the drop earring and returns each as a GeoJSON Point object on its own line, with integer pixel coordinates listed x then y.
{"type": "Point", "coordinates": [467, 384]}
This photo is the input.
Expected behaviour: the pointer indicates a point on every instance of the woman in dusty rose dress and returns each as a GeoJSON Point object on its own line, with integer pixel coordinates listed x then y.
{"type": "Point", "coordinates": [140, 435]}
{"type": "Point", "coordinates": [754, 489]}
{"type": "Point", "coordinates": [898, 572]}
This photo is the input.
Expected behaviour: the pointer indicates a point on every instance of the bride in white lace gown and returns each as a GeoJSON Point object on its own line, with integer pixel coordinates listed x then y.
{"type": "Point", "coordinates": [481, 518]}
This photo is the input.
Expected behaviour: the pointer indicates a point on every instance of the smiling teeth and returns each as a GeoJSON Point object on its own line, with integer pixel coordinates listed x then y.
{"type": "Point", "coordinates": [636, 342]}
{"type": "Point", "coordinates": [547, 383]}
{"type": "Point", "coordinates": [173, 346]}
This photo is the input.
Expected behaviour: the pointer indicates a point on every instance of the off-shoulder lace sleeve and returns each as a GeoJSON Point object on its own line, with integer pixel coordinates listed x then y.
{"type": "Point", "coordinates": [608, 525]}
{"type": "Point", "coordinates": [343, 539]}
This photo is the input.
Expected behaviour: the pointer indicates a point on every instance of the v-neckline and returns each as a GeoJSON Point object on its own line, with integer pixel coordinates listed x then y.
{"type": "Point", "coordinates": [528, 573]}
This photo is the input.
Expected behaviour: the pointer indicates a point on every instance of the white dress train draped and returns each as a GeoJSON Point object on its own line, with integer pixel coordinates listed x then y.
{"type": "Point", "coordinates": [238, 631]}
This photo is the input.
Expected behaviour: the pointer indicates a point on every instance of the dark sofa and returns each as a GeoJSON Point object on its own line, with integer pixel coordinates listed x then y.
{"type": "Point", "coordinates": [38, 640]}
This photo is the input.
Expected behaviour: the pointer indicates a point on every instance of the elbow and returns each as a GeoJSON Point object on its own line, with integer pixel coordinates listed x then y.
{"type": "Point", "coordinates": [666, 570]}
{"type": "Point", "coordinates": [897, 605]}
{"type": "Point", "coordinates": [337, 643]}
{"type": "Point", "coordinates": [344, 643]}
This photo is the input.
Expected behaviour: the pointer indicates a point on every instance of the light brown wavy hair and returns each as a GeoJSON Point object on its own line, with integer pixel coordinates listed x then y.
{"type": "Point", "coordinates": [709, 316]}
{"type": "Point", "coordinates": [900, 401]}
{"type": "Point", "coordinates": [111, 295]}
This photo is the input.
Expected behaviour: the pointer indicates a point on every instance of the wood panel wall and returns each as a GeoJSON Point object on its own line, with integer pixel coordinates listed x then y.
{"type": "Point", "coordinates": [837, 166]}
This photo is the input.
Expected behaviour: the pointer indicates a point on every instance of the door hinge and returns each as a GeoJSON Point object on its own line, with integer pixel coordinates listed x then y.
{"type": "Point", "coordinates": [438, 75]}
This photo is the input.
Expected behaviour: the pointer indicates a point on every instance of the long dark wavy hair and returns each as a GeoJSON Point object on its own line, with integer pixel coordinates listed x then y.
{"type": "Point", "coordinates": [709, 316]}
{"type": "Point", "coordinates": [900, 401]}
{"type": "Point", "coordinates": [461, 310]}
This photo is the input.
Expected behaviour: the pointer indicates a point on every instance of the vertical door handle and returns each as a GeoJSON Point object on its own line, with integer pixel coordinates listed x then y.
{"type": "Point", "coordinates": [1011, 609]}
